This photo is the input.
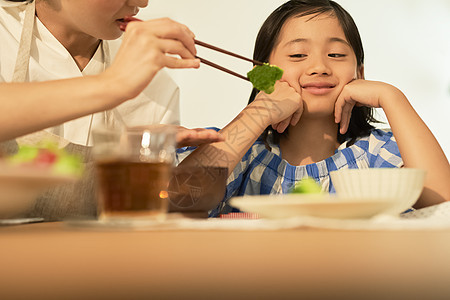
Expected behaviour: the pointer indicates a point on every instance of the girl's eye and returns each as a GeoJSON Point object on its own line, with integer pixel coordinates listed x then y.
{"type": "Point", "coordinates": [336, 55]}
{"type": "Point", "coordinates": [297, 56]}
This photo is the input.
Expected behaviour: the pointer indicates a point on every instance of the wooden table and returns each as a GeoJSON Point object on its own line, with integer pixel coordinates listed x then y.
{"type": "Point", "coordinates": [53, 261]}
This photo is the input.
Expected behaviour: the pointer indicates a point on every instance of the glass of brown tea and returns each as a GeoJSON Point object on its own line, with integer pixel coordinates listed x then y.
{"type": "Point", "coordinates": [134, 166]}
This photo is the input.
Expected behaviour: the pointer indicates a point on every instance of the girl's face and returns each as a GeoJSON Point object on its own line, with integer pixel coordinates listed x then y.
{"type": "Point", "coordinates": [317, 60]}
{"type": "Point", "coordinates": [98, 18]}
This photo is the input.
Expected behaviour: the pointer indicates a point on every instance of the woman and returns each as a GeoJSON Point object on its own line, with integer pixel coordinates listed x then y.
{"type": "Point", "coordinates": [67, 43]}
{"type": "Point", "coordinates": [71, 48]}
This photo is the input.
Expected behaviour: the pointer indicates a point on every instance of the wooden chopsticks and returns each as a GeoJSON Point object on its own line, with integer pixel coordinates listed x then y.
{"type": "Point", "coordinates": [227, 52]}
{"type": "Point", "coordinates": [207, 62]}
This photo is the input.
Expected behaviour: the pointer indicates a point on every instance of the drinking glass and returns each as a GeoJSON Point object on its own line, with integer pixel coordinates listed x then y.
{"type": "Point", "coordinates": [133, 168]}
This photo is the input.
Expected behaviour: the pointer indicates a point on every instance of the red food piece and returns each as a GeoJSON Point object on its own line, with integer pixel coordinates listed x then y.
{"type": "Point", "coordinates": [45, 157]}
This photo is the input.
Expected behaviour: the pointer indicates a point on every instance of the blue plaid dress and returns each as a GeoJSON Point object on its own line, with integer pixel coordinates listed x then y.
{"type": "Point", "coordinates": [262, 171]}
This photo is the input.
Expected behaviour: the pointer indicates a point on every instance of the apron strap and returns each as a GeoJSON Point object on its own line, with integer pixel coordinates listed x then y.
{"type": "Point", "coordinates": [21, 70]}
{"type": "Point", "coordinates": [73, 200]}
{"type": "Point", "coordinates": [23, 56]}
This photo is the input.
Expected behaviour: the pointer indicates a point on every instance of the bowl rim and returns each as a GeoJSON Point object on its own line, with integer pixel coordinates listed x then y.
{"type": "Point", "coordinates": [379, 170]}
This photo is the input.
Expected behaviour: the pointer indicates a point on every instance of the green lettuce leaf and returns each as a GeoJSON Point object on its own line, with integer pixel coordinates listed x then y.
{"type": "Point", "coordinates": [48, 155]}
{"type": "Point", "coordinates": [264, 77]}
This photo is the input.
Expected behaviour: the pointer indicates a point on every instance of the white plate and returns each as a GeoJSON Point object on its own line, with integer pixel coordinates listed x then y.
{"type": "Point", "coordinates": [316, 205]}
{"type": "Point", "coordinates": [20, 221]}
{"type": "Point", "coordinates": [21, 185]}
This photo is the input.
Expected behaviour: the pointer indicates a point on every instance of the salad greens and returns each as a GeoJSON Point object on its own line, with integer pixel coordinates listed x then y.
{"type": "Point", "coordinates": [307, 186]}
{"type": "Point", "coordinates": [264, 77]}
{"type": "Point", "coordinates": [48, 155]}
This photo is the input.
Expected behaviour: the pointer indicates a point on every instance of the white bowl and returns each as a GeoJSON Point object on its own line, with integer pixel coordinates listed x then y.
{"type": "Point", "coordinates": [21, 185]}
{"type": "Point", "coordinates": [401, 186]}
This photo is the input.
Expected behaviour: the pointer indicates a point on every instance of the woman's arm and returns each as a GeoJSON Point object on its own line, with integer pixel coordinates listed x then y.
{"type": "Point", "coordinates": [28, 107]}
{"type": "Point", "coordinates": [418, 147]}
{"type": "Point", "coordinates": [283, 106]}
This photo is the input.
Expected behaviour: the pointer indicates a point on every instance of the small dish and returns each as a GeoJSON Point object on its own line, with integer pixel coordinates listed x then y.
{"type": "Point", "coordinates": [402, 186]}
{"type": "Point", "coordinates": [10, 222]}
{"type": "Point", "coordinates": [315, 205]}
{"type": "Point", "coordinates": [21, 185]}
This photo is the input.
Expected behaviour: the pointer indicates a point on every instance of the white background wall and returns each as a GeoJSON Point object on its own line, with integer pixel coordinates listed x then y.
{"type": "Point", "coordinates": [407, 44]}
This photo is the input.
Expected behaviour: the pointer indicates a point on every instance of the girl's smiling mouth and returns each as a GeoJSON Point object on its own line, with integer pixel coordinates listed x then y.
{"type": "Point", "coordinates": [318, 88]}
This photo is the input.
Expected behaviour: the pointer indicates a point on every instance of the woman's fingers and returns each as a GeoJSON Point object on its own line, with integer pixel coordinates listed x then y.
{"type": "Point", "coordinates": [159, 43]}
{"type": "Point", "coordinates": [168, 29]}
{"type": "Point", "coordinates": [174, 47]}
{"type": "Point", "coordinates": [177, 48]}
{"type": "Point", "coordinates": [178, 63]}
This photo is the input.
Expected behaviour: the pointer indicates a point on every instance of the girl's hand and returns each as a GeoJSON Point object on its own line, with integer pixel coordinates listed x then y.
{"type": "Point", "coordinates": [197, 136]}
{"type": "Point", "coordinates": [360, 93]}
{"type": "Point", "coordinates": [148, 47]}
{"type": "Point", "coordinates": [284, 106]}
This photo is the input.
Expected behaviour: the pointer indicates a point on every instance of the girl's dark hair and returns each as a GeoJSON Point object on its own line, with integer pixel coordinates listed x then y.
{"type": "Point", "coordinates": [268, 36]}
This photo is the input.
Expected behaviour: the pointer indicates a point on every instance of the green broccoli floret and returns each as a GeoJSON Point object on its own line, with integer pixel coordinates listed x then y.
{"type": "Point", "coordinates": [307, 186]}
{"type": "Point", "coordinates": [264, 77]}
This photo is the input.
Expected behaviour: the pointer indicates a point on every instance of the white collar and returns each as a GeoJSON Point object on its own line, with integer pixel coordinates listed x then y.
{"type": "Point", "coordinates": [98, 63]}
{"type": "Point", "coordinates": [5, 3]}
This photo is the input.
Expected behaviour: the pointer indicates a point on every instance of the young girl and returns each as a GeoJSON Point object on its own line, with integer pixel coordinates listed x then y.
{"type": "Point", "coordinates": [320, 113]}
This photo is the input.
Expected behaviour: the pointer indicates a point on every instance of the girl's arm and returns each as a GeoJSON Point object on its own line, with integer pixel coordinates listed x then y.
{"type": "Point", "coordinates": [281, 108]}
{"type": "Point", "coordinates": [28, 107]}
{"type": "Point", "coordinates": [418, 147]}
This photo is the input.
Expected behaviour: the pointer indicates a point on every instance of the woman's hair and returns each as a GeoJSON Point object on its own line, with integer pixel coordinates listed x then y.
{"type": "Point", "coordinates": [268, 36]}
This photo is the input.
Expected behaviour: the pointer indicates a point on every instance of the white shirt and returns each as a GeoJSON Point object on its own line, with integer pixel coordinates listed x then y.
{"type": "Point", "coordinates": [49, 60]}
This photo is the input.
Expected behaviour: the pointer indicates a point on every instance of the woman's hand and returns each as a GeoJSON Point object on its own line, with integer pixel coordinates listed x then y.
{"type": "Point", "coordinates": [148, 47]}
{"type": "Point", "coordinates": [164, 36]}
{"type": "Point", "coordinates": [360, 93]}
{"type": "Point", "coordinates": [284, 106]}
{"type": "Point", "coordinates": [197, 136]}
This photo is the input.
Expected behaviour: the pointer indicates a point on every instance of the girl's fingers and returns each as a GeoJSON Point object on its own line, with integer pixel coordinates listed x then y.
{"type": "Point", "coordinates": [296, 116]}
{"type": "Point", "coordinates": [283, 125]}
{"type": "Point", "coordinates": [198, 136]}
{"type": "Point", "coordinates": [338, 109]}
{"type": "Point", "coordinates": [345, 116]}
{"type": "Point", "coordinates": [275, 126]}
